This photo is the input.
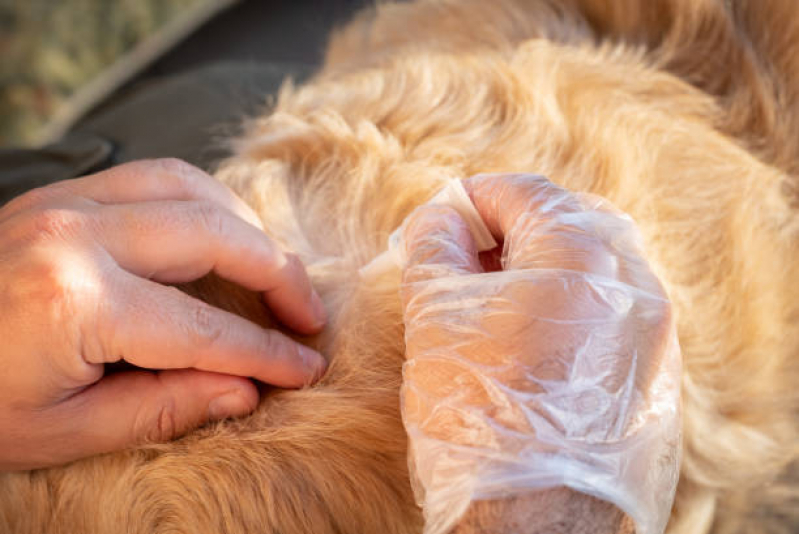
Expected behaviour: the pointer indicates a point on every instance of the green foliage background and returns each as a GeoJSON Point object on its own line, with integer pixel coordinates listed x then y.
{"type": "Point", "coordinates": [49, 48]}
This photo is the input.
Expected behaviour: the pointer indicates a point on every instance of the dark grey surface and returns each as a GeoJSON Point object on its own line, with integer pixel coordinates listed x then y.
{"type": "Point", "coordinates": [252, 31]}
{"type": "Point", "coordinates": [25, 169]}
{"type": "Point", "coordinates": [189, 115]}
{"type": "Point", "coordinates": [194, 98]}
{"type": "Point", "coordinates": [294, 31]}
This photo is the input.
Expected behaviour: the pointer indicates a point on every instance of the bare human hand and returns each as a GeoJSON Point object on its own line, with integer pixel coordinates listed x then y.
{"type": "Point", "coordinates": [82, 263]}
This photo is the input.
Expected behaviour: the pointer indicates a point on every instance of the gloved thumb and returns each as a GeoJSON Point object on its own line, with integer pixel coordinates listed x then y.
{"type": "Point", "coordinates": [437, 244]}
{"type": "Point", "coordinates": [130, 408]}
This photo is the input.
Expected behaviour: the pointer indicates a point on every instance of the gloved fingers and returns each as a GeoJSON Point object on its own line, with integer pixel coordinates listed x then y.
{"type": "Point", "coordinates": [567, 243]}
{"type": "Point", "coordinates": [438, 244]}
{"type": "Point", "coordinates": [502, 199]}
{"type": "Point", "coordinates": [561, 369]}
{"type": "Point", "coordinates": [544, 226]}
{"type": "Point", "coordinates": [600, 241]}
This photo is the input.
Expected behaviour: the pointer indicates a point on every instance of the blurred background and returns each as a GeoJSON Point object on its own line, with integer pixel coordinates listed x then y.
{"type": "Point", "coordinates": [64, 61]}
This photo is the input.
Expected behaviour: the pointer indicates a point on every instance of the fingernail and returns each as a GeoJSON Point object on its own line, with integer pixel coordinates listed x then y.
{"type": "Point", "coordinates": [314, 363]}
{"type": "Point", "coordinates": [230, 404]}
{"type": "Point", "coordinates": [318, 309]}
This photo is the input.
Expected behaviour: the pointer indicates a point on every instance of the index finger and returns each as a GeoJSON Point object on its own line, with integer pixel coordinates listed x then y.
{"type": "Point", "coordinates": [180, 241]}
{"type": "Point", "coordinates": [159, 327]}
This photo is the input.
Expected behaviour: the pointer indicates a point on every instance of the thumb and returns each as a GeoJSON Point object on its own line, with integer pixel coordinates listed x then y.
{"type": "Point", "coordinates": [139, 406]}
{"type": "Point", "coordinates": [437, 244]}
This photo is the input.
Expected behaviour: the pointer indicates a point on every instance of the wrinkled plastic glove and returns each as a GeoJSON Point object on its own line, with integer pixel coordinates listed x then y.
{"type": "Point", "coordinates": [556, 364]}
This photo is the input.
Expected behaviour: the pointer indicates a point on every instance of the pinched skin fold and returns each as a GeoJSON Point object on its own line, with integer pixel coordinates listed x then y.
{"type": "Point", "coordinates": [560, 369]}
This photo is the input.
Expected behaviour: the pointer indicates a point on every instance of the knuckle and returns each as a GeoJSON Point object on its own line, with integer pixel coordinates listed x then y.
{"type": "Point", "coordinates": [210, 217]}
{"type": "Point", "coordinates": [175, 166]}
{"type": "Point", "coordinates": [276, 261]}
{"type": "Point", "coordinates": [433, 219]}
{"type": "Point", "coordinates": [157, 425]}
{"type": "Point", "coordinates": [65, 289]}
{"type": "Point", "coordinates": [206, 327]}
{"type": "Point", "coordinates": [293, 263]}
{"type": "Point", "coordinates": [55, 223]}
{"type": "Point", "coordinates": [664, 312]}
{"type": "Point", "coordinates": [185, 175]}
{"type": "Point", "coordinates": [39, 197]}
{"type": "Point", "coordinates": [269, 343]}
{"type": "Point", "coordinates": [428, 215]}
{"type": "Point", "coordinates": [32, 198]}
{"type": "Point", "coordinates": [295, 273]}
{"type": "Point", "coordinates": [274, 344]}
{"type": "Point", "coordinates": [54, 280]}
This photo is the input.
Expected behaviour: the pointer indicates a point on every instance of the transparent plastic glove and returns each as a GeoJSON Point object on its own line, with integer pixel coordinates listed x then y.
{"type": "Point", "coordinates": [558, 368]}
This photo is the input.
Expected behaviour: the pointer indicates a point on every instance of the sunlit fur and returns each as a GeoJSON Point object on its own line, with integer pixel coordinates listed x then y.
{"type": "Point", "coordinates": [684, 113]}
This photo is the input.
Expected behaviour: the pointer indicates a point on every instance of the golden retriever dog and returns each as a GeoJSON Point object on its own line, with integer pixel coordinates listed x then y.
{"type": "Point", "coordinates": [683, 113]}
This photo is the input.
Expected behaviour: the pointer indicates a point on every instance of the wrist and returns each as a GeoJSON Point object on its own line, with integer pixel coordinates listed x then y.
{"type": "Point", "coordinates": [547, 511]}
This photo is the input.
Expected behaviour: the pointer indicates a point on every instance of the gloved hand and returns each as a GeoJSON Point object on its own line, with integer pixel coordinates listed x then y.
{"type": "Point", "coordinates": [553, 365]}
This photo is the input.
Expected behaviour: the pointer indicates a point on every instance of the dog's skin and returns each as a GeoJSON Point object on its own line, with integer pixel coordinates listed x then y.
{"type": "Point", "coordinates": [681, 112]}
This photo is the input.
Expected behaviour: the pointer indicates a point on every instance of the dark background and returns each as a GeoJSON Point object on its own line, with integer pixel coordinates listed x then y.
{"type": "Point", "coordinates": [293, 32]}
{"type": "Point", "coordinates": [192, 101]}
{"type": "Point", "coordinates": [262, 30]}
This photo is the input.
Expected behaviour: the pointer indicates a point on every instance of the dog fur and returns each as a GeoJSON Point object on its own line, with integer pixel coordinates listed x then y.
{"type": "Point", "coordinates": [681, 112]}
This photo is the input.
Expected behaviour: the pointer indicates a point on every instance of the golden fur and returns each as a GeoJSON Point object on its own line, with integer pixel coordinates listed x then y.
{"type": "Point", "coordinates": [681, 112]}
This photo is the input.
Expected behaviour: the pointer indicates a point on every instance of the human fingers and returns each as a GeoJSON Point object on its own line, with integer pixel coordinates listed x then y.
{"type": "Point", "coordinates": [159, 327]}
{"type": "Point", "coordinates": [135, 407]}
{"type": "Point", "coordinates": [182, 241]}
{"type": "Point", "coordinates": [284, 280]}
{"type": "Point", "coordinates": [140, 181]}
